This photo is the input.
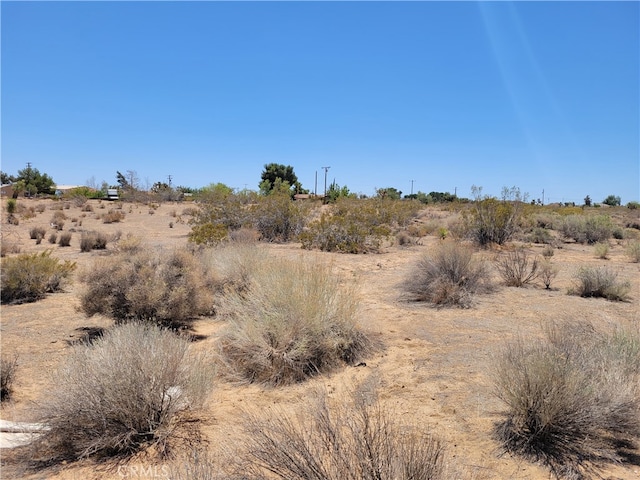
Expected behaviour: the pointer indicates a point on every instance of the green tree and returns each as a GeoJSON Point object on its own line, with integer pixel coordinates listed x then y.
{"type": "Point", "coordinates": [6, 178]}
{"type": "Point", "coordinates": [612, 200]}
{"type": "Point", "coordinates": [284, 173]}
{"type": "Point", "coordinates": [32, 182]}
{"type": "Point", "coordinates": [587, 201]}
{"type": "Point", "coordinates": [335, 191]}
{"type": "Point", "coordinates": [389, 192]}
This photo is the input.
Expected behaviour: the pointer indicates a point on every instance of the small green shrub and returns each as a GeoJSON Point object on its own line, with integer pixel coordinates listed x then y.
{"type": "Point", "coordinates": [495, 221]}
{"type": "Point", "coordinates": [571, 398]}
{"type": "Point", "coordinates": [29, 277]}
{"type": "Point", "coordinates": [540, 235]}
{"type": "Point", "coordinates": [296, 320]}
{"type": "Point", "coordinates": [208, 234]}
{"type": "Point", "coordinates": [448, 276]}
{"type": "Point", "coordinates": [124, 391]}
{"type": "Point", "coordinates": [517, 268]}
{"type": "Point", "coordinates": [587, 229]}
{"type": "Point", "coordinates": [11, 206]}
{"type": "Point", "coordinates": [599, 282]}
{"type": "Point", "coordinates": [601, 250]}
{"type": "Point", "coordinates": [8, 368]}
{"type": "Point", "coordinates": [633, 250]}
{"type": "Point", "coordinates": [278, 218]}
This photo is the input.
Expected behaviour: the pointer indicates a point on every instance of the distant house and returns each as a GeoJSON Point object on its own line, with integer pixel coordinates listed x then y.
{"type": "Point", "coordinates": [62, 189]}
{"type": "Point", "coordinates": [6, 190]}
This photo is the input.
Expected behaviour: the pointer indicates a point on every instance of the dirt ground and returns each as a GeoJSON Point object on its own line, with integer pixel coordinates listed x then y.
{"type": "Point", "coordinates": [433, 369]}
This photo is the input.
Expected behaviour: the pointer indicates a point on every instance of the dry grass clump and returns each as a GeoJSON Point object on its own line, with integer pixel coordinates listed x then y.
{"type": "Point", "coordinates": [37, 233]}
{"type": "Point", "coordinates": [599, 282]}
{"type": "Point", "coordinates": [548, 272]}
{"type": "Point", "coordinates": [573, 398]}
{"type": "Point", "coordinates": [448, 276]}
{"type": "Point", "coordinates": [601, 250]}
{"type": "Point", "coordinates": [7, 247]}
{"type": "Point", "coordinates": [633, 250]}
{"type": "Point", "coordinates": [8, 368]}
{"type": "Point", "coordinates": [295, 321]}
{"type": "Point", "coordinates": [65, 239]}
{"type": "Point", "coordinates": [57, 220]}
{"type": "Point", "coordinates": [126, 390]}
{"type": "Point", "coordinates": [517, 267]}
{"type": "Point", "coordinates": [53, 238]}
{"type": "Point", "coordinates": [159, 286]}
{"type": "Point", "coordinates": [93, 241]}
{"type": "Point", "coordinates": [355, 440]}
{"type": "Point", "coordinates": [29, 277]}
{"type": "Point", "coordinates": [112, 216]}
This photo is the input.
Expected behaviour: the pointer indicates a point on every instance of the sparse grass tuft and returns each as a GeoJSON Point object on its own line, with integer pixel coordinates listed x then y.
{"type": "Point", "coordinates": [599, 282]}
{"type": "Point", "coordinates": [601, 250]}
{"type": "Point", "coordinates": [8, 368]}
{"type": "Point", "coordinates": [517, 268]}
{"type": "Point", "coordinates": [571, 398]}
{"type": "Point", "coordinates": [448, 276]}
{"type": "Point", "coordinates": [36, 233]}
{"type": "Point", "coordinates": [126, 390]}
{"type": "Point", "coordinates": [65, 239]}
{"type": "Point", "coordinates": [633, 250]}
{"type": "Point", "coordinates": [29, 277]}
{"type": "Point", "coordinates": [295, 321]}
{"type": "Point", "coordinates": [93, 241]}
{"type": "Point", "coordinates": [354, 440]}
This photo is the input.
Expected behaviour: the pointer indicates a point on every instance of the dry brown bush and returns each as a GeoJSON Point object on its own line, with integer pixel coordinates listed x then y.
{"type": "Point", "coordinates": [517, 268]}
{"type": "Point", "coordinates": [354, 440]}
{"type": "Point", "coordinates": [448, 276]}
{"type": "Point", "coordinates": [166, 287]}
{"type": "Point", "coordinates": [602, 282]}
{"type": "Point", "coordinates": [8, 368]}
{"type": "Point", "coordinates": [93, 241]}
{"type": "Point", "coordinates": [126, 390]}
{"type": "Point", "coordinates": [295, 321]}
{"type": "Point", "coordinates": [572, 398]}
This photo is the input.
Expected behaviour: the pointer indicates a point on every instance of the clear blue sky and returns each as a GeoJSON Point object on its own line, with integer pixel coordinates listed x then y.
{"type": "Point", "coordinates": [540, 95]}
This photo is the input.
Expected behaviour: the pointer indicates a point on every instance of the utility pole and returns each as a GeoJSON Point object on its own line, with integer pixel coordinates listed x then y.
{"type": "Point", "coordinates": [169, 177]}
{"type": "Point", "coordinates": [315, 186]}
{"type": "Point", "coordinates": [412, 188]}
{"type": "Point", "coordinates": [543, 196]}
{"type": "Point", "coordinates": [326, 169]}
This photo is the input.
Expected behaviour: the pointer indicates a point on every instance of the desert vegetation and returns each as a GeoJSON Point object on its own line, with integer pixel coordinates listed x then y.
{"type": "Point", "coordinates": [572, 397]}
{"type": "Point", "coordinates": [266, 288]}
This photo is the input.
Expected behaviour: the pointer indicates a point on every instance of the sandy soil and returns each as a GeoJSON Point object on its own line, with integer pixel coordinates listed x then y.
{"type": "Point", "coordinates": [433, 370]}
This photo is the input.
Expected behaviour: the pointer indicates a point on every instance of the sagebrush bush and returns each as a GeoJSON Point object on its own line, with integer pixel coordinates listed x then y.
{"type": "Point", "coordinates": [548, 272]}
{"type": "Point", "coordinates": [517, 267]}
{"type": "Point", "coordinates": [36, 233]}
{"type": "Point", "coordinates": [57, 220]}
{"type": "Point", "coordinates": [29, 277]}
{"type": "Point", "coordinates": [587, 228]}
{"type": "Point", "coordinates": [448, 276]}
{"type": "Point", "coordinates": [599, 282]}
{"type": "Point", "coordinates": [113, 216]}
{"type": "Point", "coordinates": [122, 392]}
{"type": "Point", "coordinates": [633, 250]}
{"type": "Point", "coordinates": [353, 440]}
{"type": "Point", "coordinates": [93, 241]}
{"type": "Point", "coordinates": [601, 250]}
{"type": "Point", "coordinates": [295, 321]}
{"type": "Point", "coordinates": [65, 239]}
{"type": "Point", "coordinates": [53, 238]}
{"type": "Point", "coordinates": [157, 286]}
{"type": "Point", "coordinates": [571, 398]}
{"type": "Point", "coordinates": [8, 368]}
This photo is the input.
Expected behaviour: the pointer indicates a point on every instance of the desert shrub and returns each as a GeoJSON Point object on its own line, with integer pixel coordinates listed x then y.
{"type": "Point", "coordinates": [297, 320]}
{"type": "Point", "coordinates": [548, 252]}
{"type": "Point", "coordinates": [547, 272]}
{"type": "Point", "coordinates": [220, 208]}
{"type": "Point", "coordinates": [633, 205]}
{"type": "Point", "coordinates": [208, 234]}
{"type": "Point", "coordinates": [37, 233]}
{"type": "Point", "coordinates": [540, 235]}
{"type": "Point", "coordinates": [7, 247]}
{"type": "Point", "coordinates": [93, 241]}
{"type": "Point", "coordinates": [41, 207]}
{"type": "Point", "coordinates": [336, 233]}
{"type": "Point", "coordinates": [353, 440]}
{"type": "Point", "coordinates": [53, 238]}
{"type": "Point", "coordinates": [244, 235]}
{"type": "Point", "coordinates": [86, 208]}
{"type": "Point", "coordinates": [11, 206]}
{"type": "Point", "coordinates": [156, 286]}
{"type": "Point", "coordinates": [129, 244]}
{"type": "Point", "coordinates": [125, 390]}
{"type": "Point", "coordinates": [601, 250]}
{"type": "Point", "coordinates": [65, 239]}
{"type": "Point", "coordinates": [587, 229]}
{"type": "Point", "coordinates": [571, 397]}
{"type": "Point", "coordinates": [448, 276]}
{"type": "Point", "coordinates": [13, 220]}
{"type": "Point", "coordinates": [57, 220]}
{"type": "Point", "coordinates": [113, 216]}
{"type": "Point", "coordinates": [517, 268]}
{"type": "Point", "coordinates": [403, 239]}
{"type": "Point", "coordinates": [8, 368]}
{"type": "Point", "coordinates": [278, 218]}
{"type": "Point", "coordinates": [29, 277]}
{"type": "Point", "coordinates": [599, 282]}
{"type": "Point", "coordinates": [493, 220]}
{"type": "Point", "coordinates": [633, 251]}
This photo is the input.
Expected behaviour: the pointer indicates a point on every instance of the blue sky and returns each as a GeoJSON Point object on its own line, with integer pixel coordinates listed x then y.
{"type": "Point", "coordinates": [539, 95]}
